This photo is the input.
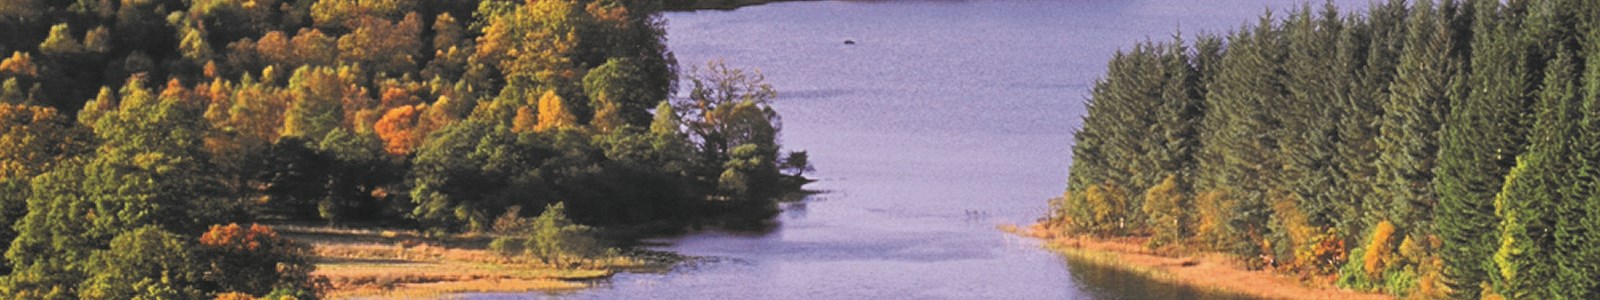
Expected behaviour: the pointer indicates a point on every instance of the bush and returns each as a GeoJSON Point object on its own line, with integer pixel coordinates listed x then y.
{"type": "Point", "coordinates": [550, 238]}
{"type": "Point", "coordinates": [255, 260]}
{"type": "Point", "coordinates": [290, 294]}
{"type": "Point", "coordinates": [234, 296]}
{"type": "Point", "coordinates": [1379, 252]}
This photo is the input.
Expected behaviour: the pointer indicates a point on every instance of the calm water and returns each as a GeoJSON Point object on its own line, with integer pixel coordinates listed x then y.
{"type": "Point", "coordinates": [946, 119]}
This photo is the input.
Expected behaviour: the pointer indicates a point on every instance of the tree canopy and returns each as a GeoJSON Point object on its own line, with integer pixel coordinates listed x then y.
{"type": "Point", "coordinates": [1430, 149]}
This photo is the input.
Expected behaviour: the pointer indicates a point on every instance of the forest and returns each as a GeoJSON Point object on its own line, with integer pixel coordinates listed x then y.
{"type": "Point", "coordinates": [1425, 150]}
{"type": "Point", "coordinates": [141, 139]}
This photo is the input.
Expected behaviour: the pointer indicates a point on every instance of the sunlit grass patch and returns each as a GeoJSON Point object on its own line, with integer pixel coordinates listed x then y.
{"type": "Point", "coordinates": [406, 264]}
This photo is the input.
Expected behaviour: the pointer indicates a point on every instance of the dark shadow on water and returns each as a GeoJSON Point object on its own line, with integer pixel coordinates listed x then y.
{"type": "Point", "coordinates": [1102, 281]}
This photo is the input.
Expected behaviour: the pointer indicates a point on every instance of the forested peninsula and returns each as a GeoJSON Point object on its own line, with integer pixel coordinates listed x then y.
{"type": "Point", "coordinates": [1424, 150]}
{"type": "Point", "coordinates": [143, 143]}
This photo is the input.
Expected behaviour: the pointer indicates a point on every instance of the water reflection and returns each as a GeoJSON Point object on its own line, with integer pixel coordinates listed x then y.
{"type": "Point", "coordinates": [946, 119]}
{"type": "Point", "coordinates": [1100, 281]}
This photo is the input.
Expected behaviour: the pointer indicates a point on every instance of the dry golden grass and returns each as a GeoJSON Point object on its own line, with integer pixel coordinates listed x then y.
{"type": "Point", "coordinates": [404, 264]}
{"type": "Point", "coordinates": [1203, 270]}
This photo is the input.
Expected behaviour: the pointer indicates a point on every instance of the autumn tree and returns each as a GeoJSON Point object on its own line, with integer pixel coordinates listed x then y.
{"type": "Point", "coordinates": [149, 169]}
{"type": "Point", "coordinates": [554, 114]}
{"type": "Point", "coordinates": [1164, 210]}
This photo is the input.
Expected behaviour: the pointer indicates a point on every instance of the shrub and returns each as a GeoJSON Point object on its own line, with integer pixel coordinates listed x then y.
{"type": "Point", "coordinates": [550, 238]}
{"type": "Point", "coordinates": [255, 260]}
{"type": "Point", "coordinates": [1378, 253]}
{"type": "Point", "coordinates": [234, 296]}
{"type": "Point", "coordinates": [290, 294]}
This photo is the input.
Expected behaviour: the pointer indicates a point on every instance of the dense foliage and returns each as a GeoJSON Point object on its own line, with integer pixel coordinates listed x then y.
{"type": "Point", "coordinates": [1423, 149]}
{"type": "Point", "coordinates": [433, 114]}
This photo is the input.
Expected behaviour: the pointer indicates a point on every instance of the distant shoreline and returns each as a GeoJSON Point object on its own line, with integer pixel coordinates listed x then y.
{"type": "Point", "coordinates": [695, 5]}
{"type": "Point", "coordinates": [1206, 270]}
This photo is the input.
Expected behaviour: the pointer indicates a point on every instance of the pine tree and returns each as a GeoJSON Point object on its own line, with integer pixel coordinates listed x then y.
{"type": "Point", "coordinates": [1378, 41]}
{"type": "Point", "coordinates": [1408, 140]}
{"type": "Point", "coordinates": [1578, 213]}
{"type": "Point", "coordinates": [1588, 257]}
{"type": "Point", "coordinates": [1478, 145]}
{"type": "Point", "coordinates": [1243, 134]}
{"type": "Point", "coordinates": [1525, 260]}
{"type": "Point", "coordinates": [1178, 112]}
{"type": "Point", "coordinates": [1319, 71]}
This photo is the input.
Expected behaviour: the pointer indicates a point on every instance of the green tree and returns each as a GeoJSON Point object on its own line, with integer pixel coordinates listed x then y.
{"type": "Point", "coordinates": [1479, 143]}
{"type": "Point", "coordinates": [470, 171]}
{"type": "Point", "coordinates": [1578, 265]}
{"type": "Point", "coordinates": [718, 89]}
{"type": "Point", "coordinates": [144, 263]}
{"type": "Point", "coordinates": [149, 168]}
{"type": "Point", "coordinates": [1425, 80]}
{"type": "Point", "coordinates": [620, 94]}
{"type": "Point", "coordinates": [61, 42]}
{"type": "Point", "coordinates": [1526, 259]}
{"type": "Point", "coordinates": [550, 238]}
{"type": "Point", "coordinates": [1242, 135]}
{"type": "Point", "coordinates": [1318, 77]}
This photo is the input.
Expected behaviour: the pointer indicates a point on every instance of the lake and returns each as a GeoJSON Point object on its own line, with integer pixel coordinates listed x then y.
{"type": "Point", "coordinates": [943, 120]}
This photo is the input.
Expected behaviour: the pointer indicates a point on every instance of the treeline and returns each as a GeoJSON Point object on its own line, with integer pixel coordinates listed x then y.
{"type": "Point", "coordinates": [1431, 150]}
{"type": "Point", "coordinates": [129, 129]}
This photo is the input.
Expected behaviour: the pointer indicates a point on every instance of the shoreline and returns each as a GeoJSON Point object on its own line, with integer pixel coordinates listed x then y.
{"type": "Point", "coordinates": [721, 5]}
{"type": "Point", "coordinates": [1205, 270]}
{"type": "Point", "coordinates": [364, 263]}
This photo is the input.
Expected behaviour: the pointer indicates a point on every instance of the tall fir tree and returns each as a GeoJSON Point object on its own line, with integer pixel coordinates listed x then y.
{"type": "Point", "coordinates": [1318, 72]}
{"type": "Point", "coordinates": [1479, 144]}
{"type": "Point", "coordinates": [1379, 40]}
{"type": "Point", "coordinates": [1586, 261]}
{"type": "Point", "coordinates": [1525, 263]}
{"type": "Point", "coordinates": [1175, 131]}
{"type": "Point", "coordinates": [1408, 139]}
{"type": "Point", "coordinates": [1243, 133]}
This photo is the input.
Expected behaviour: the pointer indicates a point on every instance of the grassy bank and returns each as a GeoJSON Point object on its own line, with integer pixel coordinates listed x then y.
{"type": "Point", "coordinates": [405, 264]}
{"type": "Point", "coordinates": [1205, 270]}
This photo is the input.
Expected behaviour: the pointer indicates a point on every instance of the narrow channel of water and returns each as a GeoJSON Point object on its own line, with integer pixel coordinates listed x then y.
{"type": "Point", "coordinates": [943, 120]}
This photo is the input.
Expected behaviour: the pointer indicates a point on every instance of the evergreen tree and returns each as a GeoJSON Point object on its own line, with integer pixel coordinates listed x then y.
{"type": "Point", "coordinates": [1245, 133]}
{"type": "Point", "coordinates": [1381, 37]}
{"type": "Point", "coordinates": [1525, 261]}
{"type": "Point", "coordinates": [1577, 256]}
{"type": "Point", "coordinates": [1583, 265]}
{"type": "Point", "coordinates": [1121, 138]}
{"type": "Point", "coordinates": [1318, 73]}
{"type": "Point", "coordinates": [1408, 140]}
{"type": "Point", "coordinates": [1175, 131]}
{"type": "Point", "coordinates": [1479, 143]}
